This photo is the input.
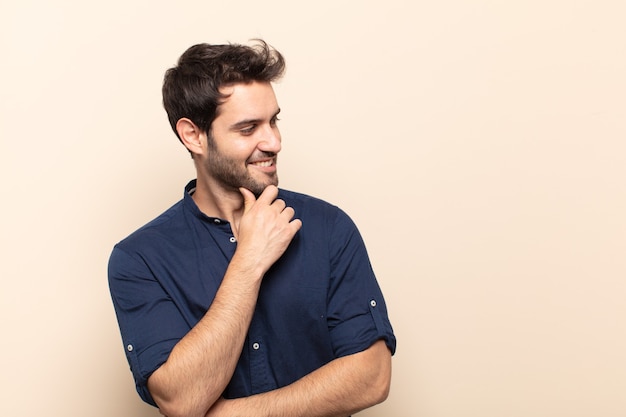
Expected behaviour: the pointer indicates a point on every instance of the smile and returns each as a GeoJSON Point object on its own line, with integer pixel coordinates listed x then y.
{"type": "Point", "coordinates": [263, 164]}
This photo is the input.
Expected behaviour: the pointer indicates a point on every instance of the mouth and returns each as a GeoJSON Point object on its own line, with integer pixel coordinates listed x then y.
{"type": "Point", "coordinates": [263, 164]}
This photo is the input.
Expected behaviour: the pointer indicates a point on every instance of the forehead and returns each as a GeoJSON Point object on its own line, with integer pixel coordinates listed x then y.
{"type": "Point", "coordinates": [255, 100]}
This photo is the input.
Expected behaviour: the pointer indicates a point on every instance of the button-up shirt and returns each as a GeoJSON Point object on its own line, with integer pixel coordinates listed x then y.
{"type": "Point", "coordinates": [318, 302]}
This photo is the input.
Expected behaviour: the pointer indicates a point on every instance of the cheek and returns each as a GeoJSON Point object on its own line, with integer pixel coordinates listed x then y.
{"type": "Point", "coordinates": [234, 148]}
{"type": "Point", "coordinates": [243, 149]}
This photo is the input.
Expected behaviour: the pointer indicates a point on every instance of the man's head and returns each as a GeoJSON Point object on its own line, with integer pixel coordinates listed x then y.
{"type": "Point", "coordinates": [221, 104]}
{"type": "Point", "coordinates": [193, 89]}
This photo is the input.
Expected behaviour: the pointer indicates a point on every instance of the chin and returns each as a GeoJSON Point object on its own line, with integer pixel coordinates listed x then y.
{"type": "Point", "coordinates": [258, 187]}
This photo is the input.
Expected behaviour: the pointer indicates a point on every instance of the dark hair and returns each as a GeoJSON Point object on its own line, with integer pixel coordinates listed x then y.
{"type": "Point", "coordinates": [191, 89]}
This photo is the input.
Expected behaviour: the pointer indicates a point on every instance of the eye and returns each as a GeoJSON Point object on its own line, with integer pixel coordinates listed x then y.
{"type": "Point", "coordinates": [274, 120]}
{"type": "Point", "coordinates": [246, 131]}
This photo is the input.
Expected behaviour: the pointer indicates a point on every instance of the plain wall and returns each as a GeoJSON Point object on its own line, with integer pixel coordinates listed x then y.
{"type": "Point", "coordinates": [479, 145]}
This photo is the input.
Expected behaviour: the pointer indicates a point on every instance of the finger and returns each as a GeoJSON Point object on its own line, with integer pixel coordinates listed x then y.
{"type": "Point", "coordinates": [248, 199]}
{"type": "Point", "coordinates": [295, 225]}
{"type": "Point", "coordinates": [279, 204]}
{"type": "Point", "coordinates": [288, 212]}
{"type": "Point", "coordinates": [269, 194]}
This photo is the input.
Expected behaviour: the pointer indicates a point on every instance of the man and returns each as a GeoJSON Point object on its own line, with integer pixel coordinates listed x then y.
{"type": "Point", "coordinates": [243, 299]}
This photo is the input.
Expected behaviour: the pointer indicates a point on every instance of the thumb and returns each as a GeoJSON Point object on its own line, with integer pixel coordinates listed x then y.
{"type": "Point", "coordinates": [248, 199]}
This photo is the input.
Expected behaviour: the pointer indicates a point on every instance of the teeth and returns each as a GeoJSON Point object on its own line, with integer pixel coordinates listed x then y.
{"type": "Point", "coordinates": [264, 163]}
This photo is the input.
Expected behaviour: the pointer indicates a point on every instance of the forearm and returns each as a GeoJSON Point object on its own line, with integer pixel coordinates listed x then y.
{"type": "Point", "coordinates": [340, 388]}
{"type": "Point", "coordinates": [202, 363]}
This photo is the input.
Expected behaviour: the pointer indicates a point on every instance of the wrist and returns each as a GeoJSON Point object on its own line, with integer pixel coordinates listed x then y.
{"type": "Point", "coordinates": [247, 266]}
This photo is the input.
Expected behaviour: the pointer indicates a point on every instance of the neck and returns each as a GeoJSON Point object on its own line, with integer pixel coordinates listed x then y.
{"type": "Point", "coordinates": [215, 201]}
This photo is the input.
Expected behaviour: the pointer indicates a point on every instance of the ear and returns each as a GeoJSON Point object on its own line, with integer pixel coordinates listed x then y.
{"type": "Point", "coordinates": [191, 135]}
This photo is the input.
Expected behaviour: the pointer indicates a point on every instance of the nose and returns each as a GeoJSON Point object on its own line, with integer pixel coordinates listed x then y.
{"type": "Point", "coordinates": [271, 140]}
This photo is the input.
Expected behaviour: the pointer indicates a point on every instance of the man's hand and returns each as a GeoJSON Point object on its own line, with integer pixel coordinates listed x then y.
{"type": "Point", "coordinates": [265, 230]}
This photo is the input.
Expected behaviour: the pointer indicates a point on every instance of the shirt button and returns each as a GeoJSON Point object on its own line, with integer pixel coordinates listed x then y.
{"type": "Point", "coordinates": [256, 346]}
{"type": "Point", "coordinates": [373, 303]}
{"type": "Point", "coordinates": [232, 239]}
{"type": "Point", "coordinates": [217, 221]}
{"type": "Point", "coordinates": [129, 348]}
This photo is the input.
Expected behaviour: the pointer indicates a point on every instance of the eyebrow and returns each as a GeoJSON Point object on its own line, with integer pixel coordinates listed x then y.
{"type": "Point", "coordinates": [238, 125]}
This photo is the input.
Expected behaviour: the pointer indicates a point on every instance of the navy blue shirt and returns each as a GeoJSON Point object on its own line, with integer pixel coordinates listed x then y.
{"type": "Point", "coordinates": [318, 302]}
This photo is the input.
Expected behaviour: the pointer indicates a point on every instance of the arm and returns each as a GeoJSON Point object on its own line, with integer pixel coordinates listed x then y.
{"type": "Point", "coordinates": [343, 386]}
{"type": "Point", "coordinates": [201, 364]}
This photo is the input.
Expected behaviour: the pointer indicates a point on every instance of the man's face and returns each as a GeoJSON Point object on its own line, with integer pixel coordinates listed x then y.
{"type": "Point", "coordinates": [244, 140]}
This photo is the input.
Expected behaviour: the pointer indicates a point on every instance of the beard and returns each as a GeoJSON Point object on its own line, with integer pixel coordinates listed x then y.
{"type": "Point", "coordinates": [233, 174]}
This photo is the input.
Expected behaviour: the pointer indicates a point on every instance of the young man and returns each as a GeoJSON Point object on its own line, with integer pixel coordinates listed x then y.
{"type": "Point", "coordinates": [243, 299]}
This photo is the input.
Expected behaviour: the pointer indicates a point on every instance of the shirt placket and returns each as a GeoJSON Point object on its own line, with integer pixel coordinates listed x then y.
{"type": "Point", "coordinates": [224, 238]}
{"type": "Point", "coordinates": [260, 376]}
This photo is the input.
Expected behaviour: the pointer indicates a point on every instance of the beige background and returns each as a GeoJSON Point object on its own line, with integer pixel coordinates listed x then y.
{"type": "Point", "coordinates": [479, 145]}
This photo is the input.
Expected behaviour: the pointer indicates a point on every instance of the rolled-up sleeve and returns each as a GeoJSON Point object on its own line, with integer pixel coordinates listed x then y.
{"type": "Point", "coordinates": [357, 313]}
{"type": "Point", "coordinates": [149, 321]}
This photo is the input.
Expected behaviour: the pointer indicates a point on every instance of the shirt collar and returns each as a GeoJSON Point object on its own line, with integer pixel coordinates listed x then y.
{"type": "Point", "coordinates": [191, 205]}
